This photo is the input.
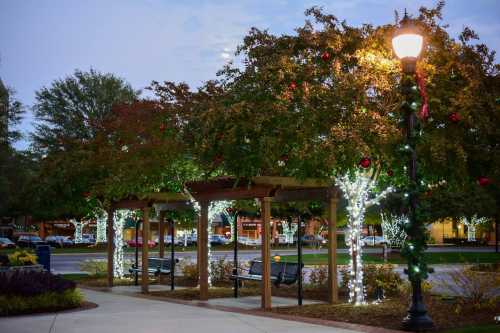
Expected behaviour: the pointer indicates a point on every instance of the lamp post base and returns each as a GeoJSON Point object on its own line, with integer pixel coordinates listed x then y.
{"type": "Point", "coordinates": [417, 319]}
{"type": "Point", "coordinates": [417, 322]}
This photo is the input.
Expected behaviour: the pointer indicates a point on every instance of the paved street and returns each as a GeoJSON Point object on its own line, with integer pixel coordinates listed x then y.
{"type": "Point", "coordinates": [71, 262]}
{"type": "Point", "coordinates": [125, 314]}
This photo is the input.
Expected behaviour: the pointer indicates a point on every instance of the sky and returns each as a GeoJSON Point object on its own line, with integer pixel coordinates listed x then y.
{"type": "Point", "coordinates": [174, 40]}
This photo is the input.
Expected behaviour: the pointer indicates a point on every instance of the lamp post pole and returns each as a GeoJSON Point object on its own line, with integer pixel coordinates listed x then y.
{"type": "Point", "coordinates": [407, 44]}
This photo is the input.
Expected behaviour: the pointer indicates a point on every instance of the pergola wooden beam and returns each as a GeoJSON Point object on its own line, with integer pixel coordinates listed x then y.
{"type": "Point", "coordinates": [266, 189]}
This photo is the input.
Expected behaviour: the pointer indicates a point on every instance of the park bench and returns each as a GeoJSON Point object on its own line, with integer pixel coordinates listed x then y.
{"type": "Point", "coordinates": [156, 266]}
{"type": "Point", "coordinates": [281, 272]}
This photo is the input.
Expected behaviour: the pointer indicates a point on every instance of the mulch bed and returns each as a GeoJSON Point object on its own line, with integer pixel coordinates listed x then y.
{"type": "Point", "coordinates": [389, 313]}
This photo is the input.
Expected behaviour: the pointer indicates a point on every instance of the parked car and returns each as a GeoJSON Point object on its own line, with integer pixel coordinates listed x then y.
{"type": "Point", "coordinates": [373, 241]}
{"type": "Point", "coordinates": [282, 239]}
{"type": "Point", "coordinates": [58, 241]}
{"type": "Point", "coordinates": [30, 241]}
{"type": "Point", "coordinates": [6, 243]}
{"type": "Point", "coordinates": [88, 239]}
{"type": "Point", "coordinates": [249, 241]}
{"type": "Point", "coordinates": [313, 240]}
{"type": "Point", "coordinates": [132, 243]}
{"type": "Point", "coordinates": [218, 240]}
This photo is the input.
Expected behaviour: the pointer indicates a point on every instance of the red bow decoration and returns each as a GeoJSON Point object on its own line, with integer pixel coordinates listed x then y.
{"type": "Point", "coordinates": [424, 110]}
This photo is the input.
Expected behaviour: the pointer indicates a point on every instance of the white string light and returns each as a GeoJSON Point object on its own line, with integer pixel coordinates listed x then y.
{"type": "Point", "coordinates": [119, 219]}
{"type": "Point", "coordinates": [356, 191]}
{"type": "Point", "coordinates": [471, 226]}
{"type": "Point", "coordinates": [289, 231]}
{"type": "Point", "coordinates": [102, 219]}
{"type": "Point", "coordinates": [78, 235]}
{"type": "Point", "coordinates": [393, 229]}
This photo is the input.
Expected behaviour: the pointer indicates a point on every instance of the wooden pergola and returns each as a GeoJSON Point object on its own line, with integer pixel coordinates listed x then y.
{"type": "Point", "coordinates": [163, 201]}
{"type": "Point", "coordinates": [267, 190]}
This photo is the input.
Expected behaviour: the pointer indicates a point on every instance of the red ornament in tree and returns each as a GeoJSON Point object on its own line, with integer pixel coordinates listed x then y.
{"type": "Point", "coordinates": [325, 56]}
{"type": "Point", "coordinates": [484, 181]}
{"type": "Point", "coordinates": [390, 173]}
{"type": "Point", "coordinates": [292, 85]}
{"type": "Point", "coordinates": [86, 194]}
{"type": "Point", "coordinates": [454, 117]}
{"type": "Point", "coordinates": [284, 157]}
{"type": "Point", "coordinates": [365, 162]}
{"type": "Point", "coordinates": [230, 210]}
{"type": "Point", "coordinates": [162, 128]}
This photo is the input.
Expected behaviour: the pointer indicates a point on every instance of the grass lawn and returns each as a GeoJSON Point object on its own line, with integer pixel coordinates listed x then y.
{"type": "Point", "coordinates": [432, 258]}
{"type": "Point", "coordinates": [476, 329]}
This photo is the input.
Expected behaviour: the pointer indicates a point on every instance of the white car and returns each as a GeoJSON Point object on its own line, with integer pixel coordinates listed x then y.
{"type": "Point", "coordinates": [373, 241]}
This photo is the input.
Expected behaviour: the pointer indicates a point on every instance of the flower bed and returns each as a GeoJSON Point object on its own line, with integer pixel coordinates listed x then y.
{"type": "Point", "coordinates": [25, 292]}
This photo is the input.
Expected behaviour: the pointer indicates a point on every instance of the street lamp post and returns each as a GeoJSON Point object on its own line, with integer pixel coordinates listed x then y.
{"type": "Point", "coordinates": [407, 44]}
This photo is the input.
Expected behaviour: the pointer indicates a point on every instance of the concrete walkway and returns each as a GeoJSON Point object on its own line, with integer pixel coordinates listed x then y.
{"type": "Point", "coordinates": [124, 314]}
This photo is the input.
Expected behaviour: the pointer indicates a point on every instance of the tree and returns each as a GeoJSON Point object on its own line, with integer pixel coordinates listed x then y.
{"type": "Point", "coordinates": [69, 115]}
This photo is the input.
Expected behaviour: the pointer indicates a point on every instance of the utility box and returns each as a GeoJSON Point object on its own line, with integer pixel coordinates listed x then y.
{"type": "Point", "coordinates": [43, 254]}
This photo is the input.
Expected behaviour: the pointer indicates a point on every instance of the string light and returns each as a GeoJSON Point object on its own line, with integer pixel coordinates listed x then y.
{"type": "Point", "coordinates": [471, 226]}
{"type": "Point", "coordinates": [78, 235]}
{"type": "Point", "coordinates": [289, 231]}
{"type": "Point", "coordinates": [102, 218]}
{"type": "Point", "coordinates": [393, 229]}
{"type": "Point", "coordinates": [356, 191]}
{"type": "Point", "coordinates": [119, 219]}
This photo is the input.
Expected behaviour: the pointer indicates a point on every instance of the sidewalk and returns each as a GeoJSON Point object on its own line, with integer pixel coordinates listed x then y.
{"type": "Point", "coordinates": [124, 314]}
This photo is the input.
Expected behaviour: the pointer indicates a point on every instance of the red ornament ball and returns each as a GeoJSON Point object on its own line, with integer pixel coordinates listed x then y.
{"type": "Point", "coordinates": [325, 56]}
{"type": "Point", "coordinates": [162, 128]}
{"type": "Point", "coordinates": [454, 117]}
{"type": "Point", "coordinates": [390, 173]}
{"type": "Point", "coordinates": [365, 162]}
{"type": "Point", "coordinates": [230, 210]}
{"type": "Point", "coordinates": [292, 85]}
{"type": "Point", "coordinates": [484, 181]}
{"type": "Point", "coordinates": [86, 194]}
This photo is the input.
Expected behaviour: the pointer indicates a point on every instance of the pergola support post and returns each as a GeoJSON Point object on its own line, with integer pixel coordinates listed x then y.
{"type": "Point", "coordinates": [266, 253]}
{"type": "Point", "coordinates": [161, 236]}
{"type": "Point", "coordinates": [203, 250]}
{"type": "Point", "coordinates": [172, 254]}
{"type": "Point", "coordinates": [332, 250]}
{"type": "Point", "coordinates": [145, 251]}
{"type": "Point", "coordinates": [110, 247]}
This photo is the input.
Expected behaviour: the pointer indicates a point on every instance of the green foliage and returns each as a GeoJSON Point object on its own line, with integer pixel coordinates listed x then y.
{"type": "Point", "coordinates": [69, 115]}
{"type": "Point", "coordinates": [94, 266]}
{"type": "Point", "coordinates": [375, 276]}
{"type": "Point", "coordinates": [50, 301]}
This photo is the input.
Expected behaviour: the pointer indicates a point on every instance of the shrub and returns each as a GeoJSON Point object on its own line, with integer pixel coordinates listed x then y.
{"type": "Point", "coordinates": [21, 258]}
{"type": "Point", "coordinates": [375, 276]}
{"type": "Point", "coordinates": [26, 284]}
{"type": "Point", "coordinates": [477, 288]}
{"type": "Point", "coordinates": [492, 267]}
{"type": "Point", "coordinates": [189, 271]}
{"type": "Point", "coordinates": [94, 266]}
{"type": "Point", "coordinates": [318, 276]}
{"type": "Point", "coordinates": [48, 301]}
{"type": "Point", "coordinates": [220, 270]}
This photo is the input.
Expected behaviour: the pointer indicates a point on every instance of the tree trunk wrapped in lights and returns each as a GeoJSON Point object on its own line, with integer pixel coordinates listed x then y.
{"type": "Point", "coordinates": [357, 190]}
{"type": "Point", "coordinates": [393, 229]}
{"type": "Point", "coordinates": [78, 236]}
{"type": "Point", "coordinates": [118, 223]}
{"type": "Point", "coordinates": [102, 218]}
{"type": "Point", "coordinates": [471, 225]}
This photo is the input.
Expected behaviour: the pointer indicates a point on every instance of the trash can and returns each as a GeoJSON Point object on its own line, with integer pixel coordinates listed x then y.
{"type": "Point", "coordinates": [43, 254]}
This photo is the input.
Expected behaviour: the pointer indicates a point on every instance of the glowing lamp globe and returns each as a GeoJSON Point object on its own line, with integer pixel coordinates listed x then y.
{"type": "Point", "coordinates": [407, 44]}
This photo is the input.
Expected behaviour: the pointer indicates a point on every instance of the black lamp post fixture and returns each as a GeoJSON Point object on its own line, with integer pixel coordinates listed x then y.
{"type": "Point", "coordinates": [407, 43]}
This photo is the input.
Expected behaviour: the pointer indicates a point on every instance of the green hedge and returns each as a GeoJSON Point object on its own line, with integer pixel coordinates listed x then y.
{"type": "Point", "coordinates": [46, 302]}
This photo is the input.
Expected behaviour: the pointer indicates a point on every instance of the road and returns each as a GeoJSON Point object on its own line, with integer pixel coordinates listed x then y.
{"type": "Point", "coordinates": [64, 263]}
